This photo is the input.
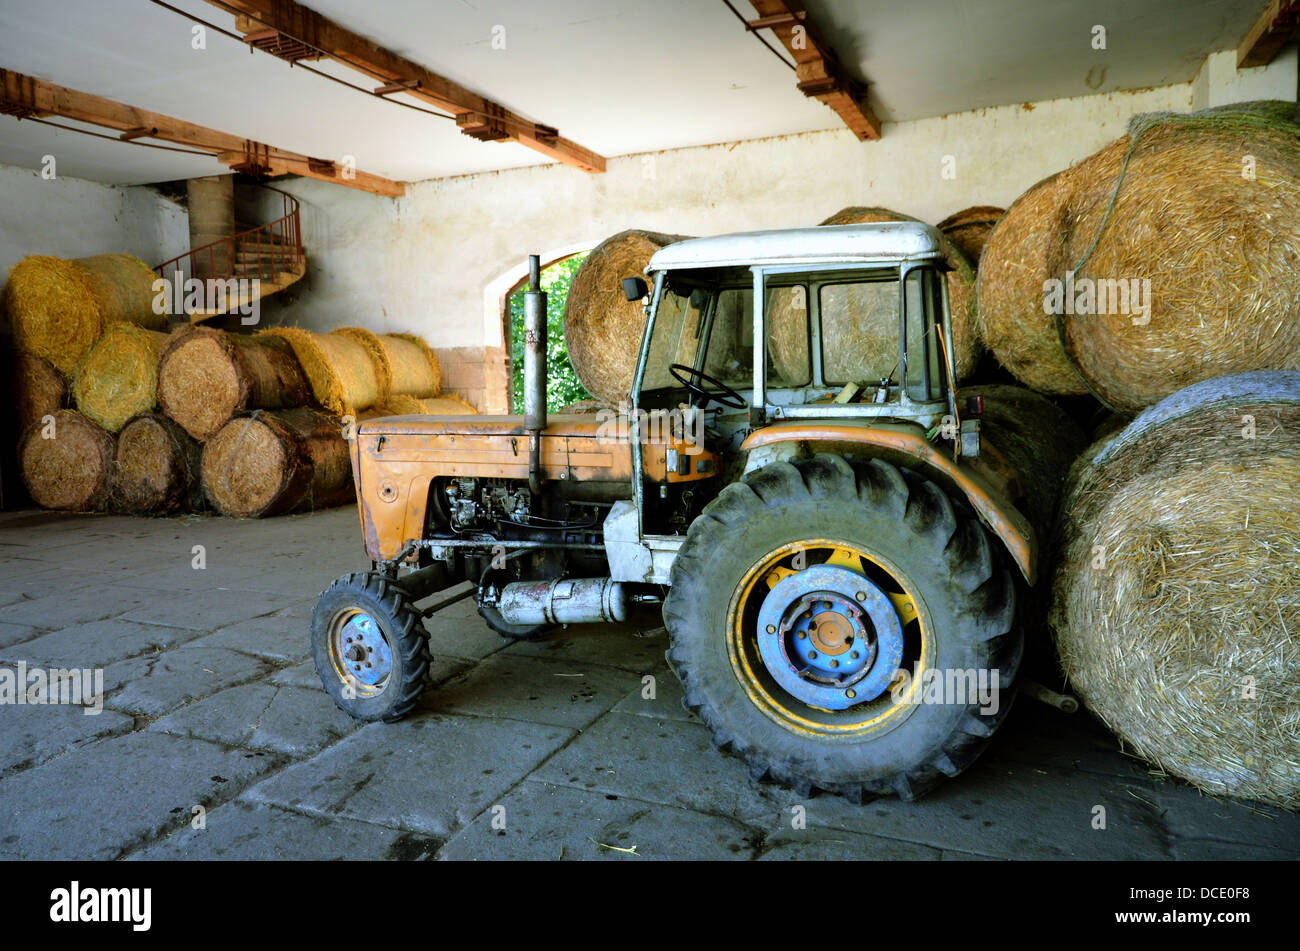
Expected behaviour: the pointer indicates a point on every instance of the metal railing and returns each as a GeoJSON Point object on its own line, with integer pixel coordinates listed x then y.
{"type": "Point", "coordinates": [262, 252]}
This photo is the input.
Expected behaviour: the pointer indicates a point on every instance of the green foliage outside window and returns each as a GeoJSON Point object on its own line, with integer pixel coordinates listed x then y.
{"type": "Point", "coordinates": [562, 386]}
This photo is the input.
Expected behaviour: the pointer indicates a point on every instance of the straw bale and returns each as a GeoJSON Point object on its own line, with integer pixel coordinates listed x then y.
{"type": "Point", "coordinates": [343, 372]}
{"type": "Point", "coordinates": [67, 465]}
{"type": "Point", "coordinates": [39, 389]}
{"type": "Point", "coordinates": [156, 468]}
{"type": "Point", "coordinates": [118, 376]}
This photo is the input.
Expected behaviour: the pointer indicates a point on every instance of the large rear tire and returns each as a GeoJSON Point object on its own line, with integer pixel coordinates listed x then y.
{"type": "Point", "coordinates": [881, 570]}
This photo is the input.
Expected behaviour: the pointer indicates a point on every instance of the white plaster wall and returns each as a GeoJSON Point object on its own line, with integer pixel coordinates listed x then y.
{"type": "Point", "coordinates": [71, 218]}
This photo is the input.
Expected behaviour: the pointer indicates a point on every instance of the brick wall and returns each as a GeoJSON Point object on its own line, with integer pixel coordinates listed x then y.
{"type": "Point", "coordinates": [479, 374]}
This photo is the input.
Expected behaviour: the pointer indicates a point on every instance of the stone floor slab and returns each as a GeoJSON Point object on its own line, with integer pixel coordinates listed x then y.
{"type": "Point", "coordinates": [429, 774]}
{"type": "Point", "coordinates": [178, 677]}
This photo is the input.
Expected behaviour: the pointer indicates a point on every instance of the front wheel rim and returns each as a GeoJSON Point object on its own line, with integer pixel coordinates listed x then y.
{"type": "Point", "coordinates": [359, 652]}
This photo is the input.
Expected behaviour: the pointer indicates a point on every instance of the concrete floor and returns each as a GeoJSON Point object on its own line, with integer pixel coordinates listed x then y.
{"type": "Point", "coordinates": [539, 751]}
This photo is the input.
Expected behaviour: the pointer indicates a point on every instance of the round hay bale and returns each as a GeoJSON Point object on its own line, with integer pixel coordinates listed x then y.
{"type": "Point", "coordinates": [873, 333]}
{"type": "Point", "coordinates": [374, 348]}
{"type": "Point", "coordinates": [408, 365]}
{"type": "Point", "coordinates": [1177, 613]}
{"type": "Point", "coordinates": [39, 389]}
{"type": "Point", "coordinates": [448, 404]}
{"type": "Point", "coordinates": [118, 376]}
{"type": "Point", "coordinates": [269, 462]}
{"type": "Point", "coordinates": [1022, 253]}
{"type": "Point", "coordinates": [344, 374]}
{"type": "Point", "coordinates": [602, 329]}
{"type": "Point", "coordinates": [123, 287]}
{"type": "Point", "coordinates": [970, 228]}
{"type": "Point", "coordinates": [156, 468]}
{"type": "Point", "coordinates": [1215, 254]}
{"type": "Point", "coordinates": [1039, 440]}
{"type": "Point", "coordinates": [68, 464]}
{"type": "Point", "coordinates": [207, 375]}
{"type": "Point", "coordinates": [53, 310]}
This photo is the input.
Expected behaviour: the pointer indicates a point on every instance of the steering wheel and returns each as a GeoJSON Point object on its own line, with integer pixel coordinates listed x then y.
{"type": "Point", "coordinates": [691, 378]}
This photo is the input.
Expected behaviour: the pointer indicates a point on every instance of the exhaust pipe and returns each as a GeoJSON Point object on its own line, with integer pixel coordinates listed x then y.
{"type": "Point", "coordinates": [563, 601]}
{"type": "Point", "coordinates": [534, 371]}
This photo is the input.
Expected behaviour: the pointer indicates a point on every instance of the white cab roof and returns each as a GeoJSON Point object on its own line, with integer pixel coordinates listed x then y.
{"type": "Point", "coordinates": [887, 242]}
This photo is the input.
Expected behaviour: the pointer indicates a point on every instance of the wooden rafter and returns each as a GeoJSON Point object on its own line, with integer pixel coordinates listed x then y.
{"type": "Point", "coordinates": [1276, 26]}
{"type": "Point", "coordinates": [26, 96]}
{"type": "Point", "coordinates": [820, 72]}
{"type": "Point", "coordinates": [476, 115]}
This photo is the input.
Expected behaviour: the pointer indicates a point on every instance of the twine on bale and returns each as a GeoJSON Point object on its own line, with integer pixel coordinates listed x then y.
{"type": "Point", "coordinates": [344, 375]}
{"type": "Point", "coordinates": [602, 329]}
{"type": "Point", "coordinates": [67, 465]}
{"type": "Point", "coordinates": [1176, 611]}
{"type": "Point", "coordinates": [118, 377]}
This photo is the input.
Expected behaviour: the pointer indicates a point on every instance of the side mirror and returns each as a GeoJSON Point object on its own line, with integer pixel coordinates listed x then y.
{"type": "Point", "coordinates": [634, 288]}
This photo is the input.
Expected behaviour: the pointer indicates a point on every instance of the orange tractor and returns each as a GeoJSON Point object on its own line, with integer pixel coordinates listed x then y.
{"type": "Point", "coordinates": [837, 548]}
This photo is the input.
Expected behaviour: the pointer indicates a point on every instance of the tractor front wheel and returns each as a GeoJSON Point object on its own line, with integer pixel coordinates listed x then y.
{"type": "Point", "coordinates": [370, 646]}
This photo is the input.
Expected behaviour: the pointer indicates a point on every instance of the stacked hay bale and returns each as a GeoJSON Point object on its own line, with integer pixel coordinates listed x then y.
{"type": "Point", "coordinates": [67, 464]}
{"type": "Point", "coordinates": [343, 370]}
{"type": "Point", "coordinates": [1177, 613]}
{"type": "Point", "coordinates": [118, 376]}
{"type": "Point", "coordinates": [602, 329]}
{"type": "Point", "coordinates": [39, 390]}
{"type": "Point", "coordinates": [59, 308]}
{"type": "Point", "coordinates": [1200, 213]}
{"type": "Point", "coordinates": [970, 228]}
{"type": "Point", "coordinates": [207, 376]}
{"type": "Point", "coordinates": [448, 404]}
{"type": "Point", "coordinates": [155, 468]}
{"type": "Point", "coordinates": [270, 462]}
{"type": "Point", "coordinates": [875, 327]}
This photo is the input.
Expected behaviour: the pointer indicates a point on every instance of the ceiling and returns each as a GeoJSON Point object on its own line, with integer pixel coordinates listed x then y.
{"type": "Point", "coordinates": [616, 76]}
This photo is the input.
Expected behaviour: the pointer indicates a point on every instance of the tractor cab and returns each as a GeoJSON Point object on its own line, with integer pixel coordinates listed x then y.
{"type": "Point", "coordinates": [755, 335]}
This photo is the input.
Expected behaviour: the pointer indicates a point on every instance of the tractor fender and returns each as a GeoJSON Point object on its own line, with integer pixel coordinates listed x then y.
{"type": "Point", "coordinates": [907, 446]}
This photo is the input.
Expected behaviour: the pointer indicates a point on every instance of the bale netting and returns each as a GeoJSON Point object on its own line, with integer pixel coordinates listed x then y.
{"type": "Point", "coordinates": [872, 333]}
{"type": "Point", "coordinates": [118, 376]}
{"type": "Point", "coordinates": [602, 329]}
{"type": "Point", "coordinates": [1039, 440]}
{"type": "Point", "coordinates": [344, 373]}
{"type": "Point", "coordinates": [155, 468]}
{"type": "Point", "coordinates": [68, 463]}
{"type": "Point", "coordinates": [1176, 611]}
{"type": "Point", "coordinates": [970, 228]}
{"type": "Point", "coordinates": [1210, 245]}
{"type": "Point", "coordinates": [270, 462]}
{"type": "Point", "coordinates": [1022, 253]}
{"type": "Point", "coordinates": [207, 375]}
{"type": "Point", "coordinates": [123, 287]}
{"type": "Point", "coordinates": [448, 404]}
{"type": "Point", "coordinates": [39, 389]}
{"type": "Point", "coordinates": [52, 309]}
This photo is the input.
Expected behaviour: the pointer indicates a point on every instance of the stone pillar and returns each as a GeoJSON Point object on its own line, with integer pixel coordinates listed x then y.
{"type": "Point", "coordinates": [212, 217]}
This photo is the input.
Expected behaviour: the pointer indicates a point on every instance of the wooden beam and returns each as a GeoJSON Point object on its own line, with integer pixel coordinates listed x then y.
{"type": "Point", "coordinates": [25, 94]}
{"type": "Point", "coordinates": [339, 43]}
{"type": "Point", "coordinates": [820, 73]}
{"type": "Point", "coordinates": [1275, 27]}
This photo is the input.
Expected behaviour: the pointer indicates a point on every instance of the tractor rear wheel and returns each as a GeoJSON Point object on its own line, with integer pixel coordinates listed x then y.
{"type": "Point", "coordinates": [370, 646]}
{"type": "Point", "coordinates": [844, 627]}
